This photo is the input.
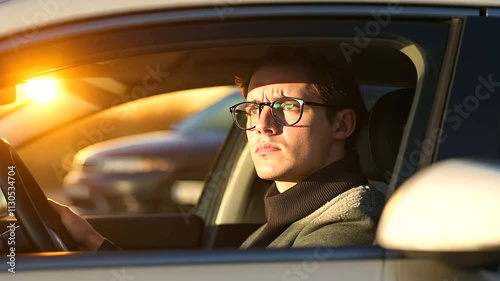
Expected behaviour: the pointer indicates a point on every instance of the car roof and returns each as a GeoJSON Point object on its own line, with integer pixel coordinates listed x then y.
{"type": "Point", "coordinates": [28, 15]}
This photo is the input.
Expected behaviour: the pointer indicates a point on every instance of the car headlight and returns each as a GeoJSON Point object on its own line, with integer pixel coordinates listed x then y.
{"type": "Point", "coordinates": [135, 165]}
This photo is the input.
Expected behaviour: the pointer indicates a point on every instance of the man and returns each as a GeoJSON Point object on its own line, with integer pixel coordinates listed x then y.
{"type": "Point", "coordinates": [300, 115]}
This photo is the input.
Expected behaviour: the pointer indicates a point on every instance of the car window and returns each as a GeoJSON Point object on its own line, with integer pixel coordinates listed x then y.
{"type": "Point", "coordinates": [133, 148]}
{"type": "Point", "coordinates": [135, 140]}
{"type": "Point", "coordinates": [123, 144]}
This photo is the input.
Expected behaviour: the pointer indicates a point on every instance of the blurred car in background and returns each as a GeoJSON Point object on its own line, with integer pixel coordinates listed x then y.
{"type": "Point", "coordinates": [154, 172]}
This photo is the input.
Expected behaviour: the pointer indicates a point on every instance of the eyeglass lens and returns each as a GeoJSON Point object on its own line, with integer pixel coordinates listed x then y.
{"type": "Point", "coordinates": [284, 112]}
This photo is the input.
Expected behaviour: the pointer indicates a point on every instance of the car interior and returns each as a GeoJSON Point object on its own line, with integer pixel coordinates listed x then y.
{"type": "Point", "coordinates": [231, 205]}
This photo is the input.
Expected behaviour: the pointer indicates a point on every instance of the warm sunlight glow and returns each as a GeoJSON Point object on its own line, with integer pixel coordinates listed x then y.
{"type": "Point", "coordinates": [41, 90]}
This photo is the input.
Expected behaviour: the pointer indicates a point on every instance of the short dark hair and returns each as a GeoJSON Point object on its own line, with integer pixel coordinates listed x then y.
{"type": "Point", "coordinates": [327, 79]}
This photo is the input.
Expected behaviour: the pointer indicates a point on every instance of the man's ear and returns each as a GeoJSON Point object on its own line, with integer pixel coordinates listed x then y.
{"type": "Point", "coordinates": [345, 122]}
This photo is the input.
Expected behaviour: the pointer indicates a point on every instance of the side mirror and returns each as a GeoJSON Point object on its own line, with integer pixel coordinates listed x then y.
{"type": "Point", "coordinates": [449, 212]}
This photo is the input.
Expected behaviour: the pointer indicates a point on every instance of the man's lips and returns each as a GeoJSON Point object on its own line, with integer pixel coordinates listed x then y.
{"type": "Point", "coordinates": [266, 148]}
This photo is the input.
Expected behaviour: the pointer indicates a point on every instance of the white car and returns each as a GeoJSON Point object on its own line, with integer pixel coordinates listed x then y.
{"type": "Point", "coordinates": [441, 56]}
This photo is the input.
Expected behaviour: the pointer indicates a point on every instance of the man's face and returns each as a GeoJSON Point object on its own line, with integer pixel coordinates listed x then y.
{"type": "Point", "coordinates": [289, 154]}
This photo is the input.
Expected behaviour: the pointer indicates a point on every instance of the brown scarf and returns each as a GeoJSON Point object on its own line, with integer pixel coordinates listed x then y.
{"type": "Point", "coordinates": [283, 209]}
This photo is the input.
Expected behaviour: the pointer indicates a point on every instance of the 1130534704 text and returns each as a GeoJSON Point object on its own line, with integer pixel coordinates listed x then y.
{"type": "Point", "coordinates": [11, 211]}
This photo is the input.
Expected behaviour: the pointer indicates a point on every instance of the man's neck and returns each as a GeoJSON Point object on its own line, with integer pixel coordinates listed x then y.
{"type": "Point", "coordinates": [283, 186]}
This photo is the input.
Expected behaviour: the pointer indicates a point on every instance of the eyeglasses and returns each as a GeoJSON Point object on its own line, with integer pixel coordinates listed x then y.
{"type": "Point", "coordinates": [285, 111]}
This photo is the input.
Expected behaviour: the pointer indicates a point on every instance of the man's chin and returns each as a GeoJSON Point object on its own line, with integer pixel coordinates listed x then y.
{"type": "Point", "coordinates": [270, 172]}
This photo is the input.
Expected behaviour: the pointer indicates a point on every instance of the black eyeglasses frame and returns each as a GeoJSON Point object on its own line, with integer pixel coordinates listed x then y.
{"type": "Point", "coordinates": [260, 106]}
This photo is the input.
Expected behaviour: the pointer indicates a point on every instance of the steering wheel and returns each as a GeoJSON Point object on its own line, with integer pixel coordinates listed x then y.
{"type": "Point", "coordinates": [41, 224]}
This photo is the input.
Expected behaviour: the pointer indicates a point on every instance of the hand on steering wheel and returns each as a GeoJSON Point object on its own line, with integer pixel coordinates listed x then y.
{"type": "Point", "coordinates": [41, 225]}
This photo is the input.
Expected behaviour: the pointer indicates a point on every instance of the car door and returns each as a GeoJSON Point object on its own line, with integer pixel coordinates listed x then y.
{"type": "Point", "coordinates": [471, 122]}
{"type": "Point", "coordinates": [467, 126]}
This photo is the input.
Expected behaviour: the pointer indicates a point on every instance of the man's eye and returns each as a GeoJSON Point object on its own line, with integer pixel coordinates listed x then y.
{"type": "Point", "coordinates": [288, 106]}
{"type": "Point", "coordinates": [252, 110]}
{"type": "Point", "coordinates": [285, 106]}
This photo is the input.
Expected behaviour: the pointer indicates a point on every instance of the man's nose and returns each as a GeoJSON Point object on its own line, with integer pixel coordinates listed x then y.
{"type": "Point", "coordinates": [266, 122]}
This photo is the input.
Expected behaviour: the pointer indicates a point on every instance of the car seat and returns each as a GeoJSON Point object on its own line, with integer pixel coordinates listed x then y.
{"type": "Point", "coordinates": [380, 134]}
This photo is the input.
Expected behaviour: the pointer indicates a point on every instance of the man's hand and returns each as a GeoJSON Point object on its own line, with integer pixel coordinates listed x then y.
{"type": "Point", "coordinates": [87, 238]}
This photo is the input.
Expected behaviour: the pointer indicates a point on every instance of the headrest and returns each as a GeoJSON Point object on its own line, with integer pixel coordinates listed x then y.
{"type": "Point", "coordinates": [380, 134]}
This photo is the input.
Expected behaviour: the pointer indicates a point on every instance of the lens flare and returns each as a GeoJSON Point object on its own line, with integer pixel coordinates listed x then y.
{"type": "Point", "coordinates": [41, 90]}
